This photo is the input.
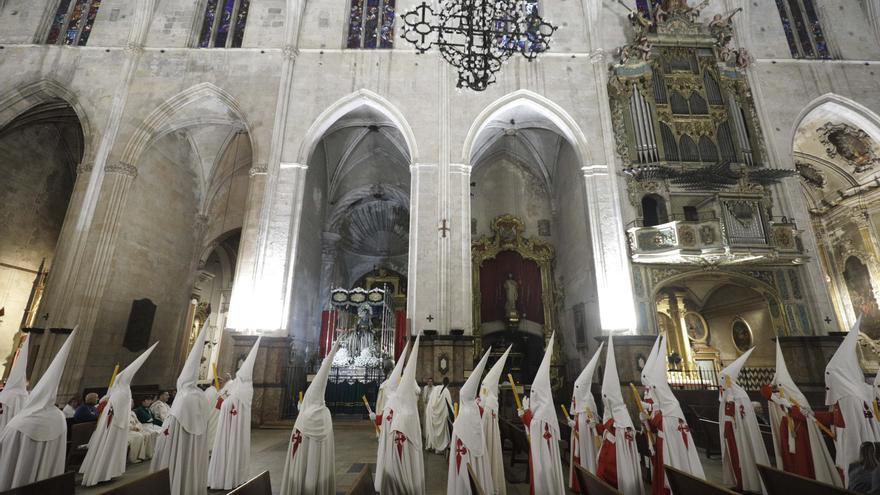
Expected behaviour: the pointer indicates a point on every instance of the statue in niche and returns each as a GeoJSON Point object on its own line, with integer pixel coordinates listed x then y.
{"type": "Point", "coordinates": [511, 297]}
{"type": "Point", "coordinates": [361, 337]}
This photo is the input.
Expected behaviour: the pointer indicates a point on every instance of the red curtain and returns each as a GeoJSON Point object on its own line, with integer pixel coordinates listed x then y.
{"type": "Point", "coordinates": [400, 332]}
{"type": "Point", "coordinates": [527, 274]}
{"type": "Point", "coordinates": [329, 320]}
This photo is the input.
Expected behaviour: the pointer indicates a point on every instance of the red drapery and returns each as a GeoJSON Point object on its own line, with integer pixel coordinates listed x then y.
{"type": "Point", "coordinates": [329, 320]}
{"type": "Point", "coordinates": [527, 274]}
{"type": "Point", "coordinates": [400, 332]}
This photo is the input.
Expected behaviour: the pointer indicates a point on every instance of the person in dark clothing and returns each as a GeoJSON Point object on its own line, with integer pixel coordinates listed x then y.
{"type": "Point", "coordinates": [87, 411]}
{"type": "Point", "coordinates": [863, 473]}
{"type": "Point", "coordinates": [143, 413]}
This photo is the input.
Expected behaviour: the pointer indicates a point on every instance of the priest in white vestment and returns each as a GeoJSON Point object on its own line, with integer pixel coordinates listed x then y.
{"type": "Point", "coordinates": [384, 415]}
{"type": "Point", "coordinates": [141, 442]}
{"type": "Point", "coordinates": [232, 441]}
{"type": "Point", "coordinates": [404, 464]}
{"type": "Point", "coordinates": [742, 447]}
{"type": "Point", "coordinates": [183, 446]}
{"type": "Point", "coordinates": [14, 393]}
{"type": "Point", "coordinates": [468, 446]}
{"type": "Point", "coordinates": [585, 438]}
{"type": "Point", "coordinates": [542, 425]}
{"type": "Point", "coordinates": [851, 401]}
{"type": "Point", "coordinates": [797, 439]}
{"type": "Point", "coordinates": [160, 407]}
{"type": "Point", "coordinates": [673, 442]}
{"type": "Point", "coordinates": [424, 397]}
{"type": "Point", "coordinates": [491, 432]}
{"type": "Point", "coordinates": [32, 446]}
{"type": "Point", "coordinates": [437, 418]}
{"type": "Point", "coordinates": [310, 465]}
{"type": "Point", "coordinates": [106, 456]}
{"type": "Point", "coordinates": [618, 461]}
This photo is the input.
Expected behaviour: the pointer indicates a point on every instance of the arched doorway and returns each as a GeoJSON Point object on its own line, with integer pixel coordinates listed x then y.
{"type": "Point", "coordinates": [40, 152]}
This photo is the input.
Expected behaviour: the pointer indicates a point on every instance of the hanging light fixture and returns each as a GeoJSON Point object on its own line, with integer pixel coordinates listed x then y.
{"type": "Point", "coordinates": [478, 36]}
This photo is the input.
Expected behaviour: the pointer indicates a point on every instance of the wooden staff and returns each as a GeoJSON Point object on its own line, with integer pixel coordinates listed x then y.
{"type": "Point", "coordinates": [300, 396]}
{"type": "Point", "coordinates": [821, 426]}
{"type": "Point", "coordinates": [370, 411]}
{"type": "Point", "coordinates": [515, 393]}
{"type": "Point", "coordinates": [216, 377]}
{"type": "Point", "coordinates": [455, 409]}
{"type": "Point", "coordinates": [641, 406]}
{"type": "Point", "coordinates": [565, 412]}
{"type": "Point", "coordinates": [113, 376]}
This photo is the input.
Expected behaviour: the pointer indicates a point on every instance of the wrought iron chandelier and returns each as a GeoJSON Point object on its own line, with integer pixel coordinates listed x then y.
{"type": "Point", "coordinates": [478, 36]}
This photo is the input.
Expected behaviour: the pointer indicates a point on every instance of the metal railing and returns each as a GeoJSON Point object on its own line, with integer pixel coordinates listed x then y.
{"type": "Point", "coordinates": [751, 379]}
{"type": "Point", "coordinates": [345, 389]}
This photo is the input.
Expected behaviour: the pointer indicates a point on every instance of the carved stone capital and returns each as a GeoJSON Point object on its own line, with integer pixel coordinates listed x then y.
{"type": "Point", "coordinates": [290, 52]}
{"type": "Point", "coordinates": [258, 170]}
{"type": "Point", "coordinates": [121, 168]}
{"type": "Point", "coordinates": [598, 56]}
{"type": "Point", "coordinates": [859, 218]}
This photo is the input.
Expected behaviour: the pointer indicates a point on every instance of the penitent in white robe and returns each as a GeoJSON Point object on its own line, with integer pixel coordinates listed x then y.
{"type": "Point", "coordinates": [491, 432]}
{"type": "Point", "coordinates": [185, 454]}
{"type": "Point", "coordinates": [12, 406]}
{"type": "Point", "coordinates": [232, 446]}
{"type": "Point", "coordinates": [403, 462]}
{"type": "Point", "coordinates": [467, 442]}
{"type": "Point", "coordinates": [543, 428]}
{"type": "Point", "coordinates": [106, 456]}
{"type": "Point", "coordinates": [437, 419]}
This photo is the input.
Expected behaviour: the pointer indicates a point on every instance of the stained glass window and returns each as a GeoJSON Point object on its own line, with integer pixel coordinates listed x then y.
{"type": "Point", "coordinates": [73, 22]}
{"type": "Point", "coordinates": [803, 31]}
{"type": "Point", "coordinates": [371, 24]}
{"type": "Point", "coordinates": [224, 23]}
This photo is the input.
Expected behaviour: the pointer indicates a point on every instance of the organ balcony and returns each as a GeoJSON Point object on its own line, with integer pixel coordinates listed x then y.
{"type": "Point", "coordinates": [741, 234]}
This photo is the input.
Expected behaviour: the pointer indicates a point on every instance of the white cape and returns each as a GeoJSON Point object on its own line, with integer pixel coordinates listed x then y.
{"type": "Point", "coordinates": [584, 443]}
{"type": "Point", "coordinates": [746, 434]}
{"type": "Point", "coordinates": [823, 463]}
{"type": "Point", "coordinates": [26, 460]}
{"type": "Point", "coordinates": [106, 457]}
{"type": "Point", "coordinates": [437, 419]}
{"type": "Point", "coordinates": [232, 445]}
{"type": "Point", "coordinates": [186, 457]}
{"type": "Point", "coordinates": [404, 464]}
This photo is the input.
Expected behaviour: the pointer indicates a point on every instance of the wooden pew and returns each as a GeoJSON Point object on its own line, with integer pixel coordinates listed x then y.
{"type": "Point", "coordinates": [681, 483]}
{"type": "Point", "coordinates": [519, 439]}
{"type": "Point", "coordinates": [782, 483]}
{"type": "Point", "coordinates": [80, 434]}
{"type": "Point", "coordinates": [157, 483]}
{"type": "Point", "coordinates": [706, 429]}
{"type": "Point", "coordinates": [363, 485]}
{"type": "Point", "coordinates": [59, 485]}
{"type": "Point", "coordinates": [258, 485]}
{"type": "Point", "coordinates": [590, 484]}
{"type": "Point", "coordinates": [476, 489]}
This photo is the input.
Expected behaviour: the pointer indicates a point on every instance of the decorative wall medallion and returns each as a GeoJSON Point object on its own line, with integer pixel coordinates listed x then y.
{"type": "Point", "coordinates": [707, 234]}
{"type": "Point", "coordinates": [697, 329]}
{"type": "Point", "coordinates": [741, 334]}
{"type": "Point", "coordinates": [687, 237]}
{"type": "Point", "coordinates": [849, 143]}
{"type": "Point", "coordinates": [443, 363]}
{"type": "Point", "coordinates": [811, 176]}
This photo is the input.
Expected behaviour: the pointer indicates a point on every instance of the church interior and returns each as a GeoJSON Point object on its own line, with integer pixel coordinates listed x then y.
{"type": "Point", "coordinates": [289, 236]}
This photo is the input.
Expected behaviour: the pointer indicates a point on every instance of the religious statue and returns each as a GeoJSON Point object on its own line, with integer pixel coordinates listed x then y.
{"type": "Point", "coordinates": [721, 27]}
{"type": "Point", "coordinates": [638, 20]}
{"type": "Point", "coordinates": [361, 337]}
{"type": "Point", "coordinates": [511, 296]}
{"type": "Point", "coordinates": [640, 49]}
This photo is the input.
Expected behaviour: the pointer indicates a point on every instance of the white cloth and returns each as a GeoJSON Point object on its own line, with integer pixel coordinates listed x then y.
{"type": "Point", "coordinates": [106, 456]}
{"type": "Point", "coordinates": [231, 453]}
{"type": "Point", "coordinates": [543, 426]}
{"type": "Point", "coordinates": [385, 414]}
{"type": "Point", "coordinates": [68, 411]}
{"type": "Point", "coordinates": [585, 438]}
{"type": "Point", "coordinates": [215, 398]}
{"type": "Point", "coordinates": [860, 427]}
{"type": "Point", "coordinates": [823, 463]}
{"type": "Point", "coordinates": [467, 442]}
{"type": "Point", "coordinates": [491, 430]}
{"type": "Point", "coordinates": [424, 398]}
{"type": "Point", "coordinates": [404, 464]}
{"type": "Point", "coordinates": [26, 461]}
{"type": "Point", "coordinates": [14, 393]}
{"type": "Point", "coordinates": [185, 455]}
{"type": "Point", "coordinates": [13, 406]}
{"type": "Point", "coordinates": [626, 455]}
{"type": "Point", "coordinates": [160, 410]}
{"type": "Point", "coordinates": [141, 439]}
{"type": "Point", "coordinates": [679, 450]}
{"type": "Point", "coordinates": [436, 419]}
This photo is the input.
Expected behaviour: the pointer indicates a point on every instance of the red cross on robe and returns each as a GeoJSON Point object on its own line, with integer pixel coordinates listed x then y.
{"type": "Point", "coordinates": [460, 451]}
{"type": "Point", "coordinates": [399, 439]}
{"type": "Point", "coordinates": [684, 430]}
{"type": "Point", "coordinates": [109, 416]}
{"type": "Point", "coordinates": [233, 411]}
{"type": "Point", "coordinates": [296, 440]}
{"type": "Point", "coordinates": [548, 436]}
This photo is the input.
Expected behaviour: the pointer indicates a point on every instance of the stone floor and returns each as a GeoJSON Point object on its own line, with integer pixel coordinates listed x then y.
{"type": "Point", "coordinates": [355, 446]}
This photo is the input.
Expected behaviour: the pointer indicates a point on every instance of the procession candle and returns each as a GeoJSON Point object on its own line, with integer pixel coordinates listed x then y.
{"type": "Point", "coordinates": [515, 393]}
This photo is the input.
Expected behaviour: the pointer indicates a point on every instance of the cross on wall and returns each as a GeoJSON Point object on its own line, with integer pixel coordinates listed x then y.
{"type": "Point", "coordinates": [444, 228]}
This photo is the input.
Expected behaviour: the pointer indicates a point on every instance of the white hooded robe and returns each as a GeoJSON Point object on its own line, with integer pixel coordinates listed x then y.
{"type": "Point", "coordinates": [437, 419]}
{"type": "Point", "coordinates": [310, 465]}
{"type": "Point", "coordinates": [231, 453]}
{"type": "Point", "coordinates": [14, 393]}
{"type": "Point", "coordinates": [742, 447]}
{"type": "Point", "coordinates": [182, 446]}
{"type": "Point", "coordinates": [491, 430]}
{"type": "Point", "coordinates": [468, 447]}
{"type": "Point", "coordinates": [618, 452]}
{"type": "Point", "coordinates": [106, 456]}
{"type": "Point", "coordinates": [404, 464]}
{"type": "Point", "coordinates": [32, 446]}
{"type": "Point", "coordinates": [584, 436]}
{"type": "Point", "coordinates": [385, 414]}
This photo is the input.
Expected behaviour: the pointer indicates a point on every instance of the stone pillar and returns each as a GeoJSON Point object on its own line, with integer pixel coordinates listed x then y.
{"type": "Point", "coordinates": [681, 340]}
{"type": "Point", "coordinates": [458, 351]}
{"type": "Point", "coordinates": [423, 298]}
{"type": "Point", "coordinates": [459, 286]}
{"type": "Point", "coordinates": [249, 246]}
{"type": "Point", "coordinates": [269, 370]}
{"type": "Point", "coordinates": [329, 252]}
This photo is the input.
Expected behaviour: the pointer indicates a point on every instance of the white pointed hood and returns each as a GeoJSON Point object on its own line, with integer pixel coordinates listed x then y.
{"type": "Point", "coordinates": [661, 392]}
{"type": "Point", "coordinates": [782, 380]}
{"type": "Point", "coordinates": [16, 383]}
{"type": "Point", "coordinates": [649, 363]}
{"type": "Point", "coordinates": [405, 400]}
{"type": "Point", "coordinates": [468, 425]}
{"type": "Point", "coordinates": [189, 407]}
{"type": "Point", "coordinates": [615, 407]}
{"type": "Point", "coordinates": [389, 386]}
{"type": "Point", "coordinates": [843, 375]}
{"type": "Point", "coordinates": [489, 386]}
{"type": "Point", "coordinates": [729, 388]}
{"type": "Point", "coordinates": [582, 396]}
{"type": "Point", "coordinates": [119, 395]}
{"type": "Point", "coordinates": [242, 388]}
{"type": "Point", "coordinates": [40, 419]}
{"type": "Point", "coordinates": [541, 393]}
{"type": "Point", "coordinates": [314, 418]}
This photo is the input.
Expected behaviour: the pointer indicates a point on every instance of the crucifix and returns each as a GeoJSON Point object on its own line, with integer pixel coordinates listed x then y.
{"type": "Point", "coordinates": [430, 318]}
{"type": "Point", "coordinates": [444, 228]}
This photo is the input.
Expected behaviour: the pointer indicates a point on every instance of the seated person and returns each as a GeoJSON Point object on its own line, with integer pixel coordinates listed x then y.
{"type": "Point", "coordinates": [861, 473]}
{"type": "Point", "coordinates": [87, 411]}
{"type": "Point", "coordinates": [141, 439]}
{"type": "Point", "coordinates": [145, 414]}
{"type": "Point", "coordinates": [70, 408]}
{"type": "Point", "coordinates": [160, 408]}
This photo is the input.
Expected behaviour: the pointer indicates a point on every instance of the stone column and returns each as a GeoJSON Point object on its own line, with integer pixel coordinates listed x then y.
{"type": "Point", "coordinates": [459, 286]}
{"type": "Point", "coordinates": [861, 220]}
{"type": "Point", "coordinates": [329, 252]}
{"type": "Point", "coordinates": [423, 301]}
{"type": "Point", "coordinates": [682, 343]}
{"type": "Point", "coordinates": [248, 249]}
